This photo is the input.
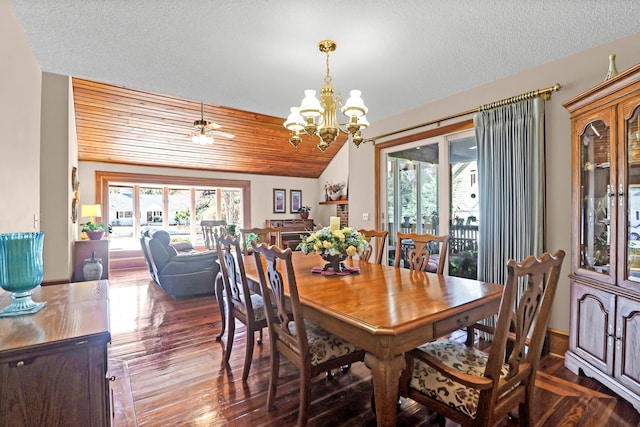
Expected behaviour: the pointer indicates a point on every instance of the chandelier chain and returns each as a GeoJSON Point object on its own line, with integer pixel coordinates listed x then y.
{"type": "Point", "coordinates": [327, 79]}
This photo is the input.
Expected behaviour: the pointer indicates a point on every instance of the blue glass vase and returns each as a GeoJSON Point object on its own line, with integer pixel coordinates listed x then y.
{"type": "Point", "coordinates": [21, 270]}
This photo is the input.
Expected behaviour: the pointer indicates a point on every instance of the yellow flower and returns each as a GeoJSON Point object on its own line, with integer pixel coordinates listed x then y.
{"type": "Point", "coordinates": [317, 245]}
{"type": "Point", "coordinates": [311, 238]}
{"type": "Point", "coordinates": [351, 251]}
{"type": "Point", "coordinates": [360, 249]}
{"type": "Point", "coordinates": [327, 244]}
{"type": "Point", "coordinates": [338, 234]}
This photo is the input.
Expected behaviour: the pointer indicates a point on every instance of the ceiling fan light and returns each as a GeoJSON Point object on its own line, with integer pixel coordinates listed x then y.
{"type": "Point", "coordinates": [202, 139]}
{"type": "Point", "coordinates": [310, 106]}
{"type": "Point", "coordinates": [354, 107]}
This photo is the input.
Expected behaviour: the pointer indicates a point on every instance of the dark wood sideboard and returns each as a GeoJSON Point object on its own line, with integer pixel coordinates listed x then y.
{"type": "Point", "coordinates": [291, 230]}
{"type": "Point", "coordinates": [53, 364]}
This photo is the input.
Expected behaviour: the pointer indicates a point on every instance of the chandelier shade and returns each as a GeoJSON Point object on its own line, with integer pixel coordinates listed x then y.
{"type": "Point", "coordinates": [318, 117]}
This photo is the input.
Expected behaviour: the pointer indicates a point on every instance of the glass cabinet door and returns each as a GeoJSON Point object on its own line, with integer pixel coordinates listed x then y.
{"type": "Point", "coordinates": [597, 198]}
{"type": "Point", "coordinates": [632, 225]}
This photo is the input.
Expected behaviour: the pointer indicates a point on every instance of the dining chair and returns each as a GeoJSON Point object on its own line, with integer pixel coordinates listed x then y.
{"type": "Point", "coordinates": [242, 304]}
{"type": "Point", "coordinates": [309, 347]}
{"type": "Point", "coordinates": [474, 388]}
{"type": "Point", "coordinates": [422, 252]}
{"type": "Point", "coordinates": [377, 242]}
{"type": "Point", "coordinates": [268, 235]}
{"type": "Point", "coordinates": [210, 228]}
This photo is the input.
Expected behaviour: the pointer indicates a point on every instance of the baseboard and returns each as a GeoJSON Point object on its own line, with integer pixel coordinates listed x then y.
{"type": "Point", "coordinates": [557, 342]}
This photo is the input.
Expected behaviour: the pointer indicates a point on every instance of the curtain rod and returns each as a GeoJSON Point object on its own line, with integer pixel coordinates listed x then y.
{"type": "Point", "coordinates": [544, 93]}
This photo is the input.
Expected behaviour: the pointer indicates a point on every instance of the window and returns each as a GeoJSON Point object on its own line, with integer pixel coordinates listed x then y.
{"type": "Point", "coordinates": [175, 204]}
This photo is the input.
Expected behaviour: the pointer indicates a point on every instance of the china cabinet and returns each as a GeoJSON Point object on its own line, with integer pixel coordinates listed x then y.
{"type": "Point", "coordinates": [605, 285]}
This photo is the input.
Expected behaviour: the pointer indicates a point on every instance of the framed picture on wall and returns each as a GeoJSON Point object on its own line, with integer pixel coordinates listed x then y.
{"type": "Point", "coordinates": [295, 200]}
{"type": "Point", "coordinates": [279, 200]}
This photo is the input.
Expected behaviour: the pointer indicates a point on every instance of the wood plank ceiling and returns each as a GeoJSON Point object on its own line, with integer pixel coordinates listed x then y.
{"type": "Point", "coordinates": [127, 126]}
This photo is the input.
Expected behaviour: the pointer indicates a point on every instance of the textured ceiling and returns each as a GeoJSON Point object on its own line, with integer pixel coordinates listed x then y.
{"type": "Point", "coordinates": [259, 56]}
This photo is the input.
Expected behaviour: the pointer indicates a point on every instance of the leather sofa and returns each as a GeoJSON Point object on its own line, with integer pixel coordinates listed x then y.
{"type": "Point", "coordinates": [181, 273]}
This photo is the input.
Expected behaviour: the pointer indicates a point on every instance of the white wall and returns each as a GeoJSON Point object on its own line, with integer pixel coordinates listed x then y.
{"type": "Point", "coordinates": [57, 157]}
{"type": "Point", "coordinates": [337, 171]}
{"type": "Point", "coordinates": [20, 86]}
{"type": "Point", "coordinates": [576, 74]}
{"type": "Point", "coordinates": [261, 187]}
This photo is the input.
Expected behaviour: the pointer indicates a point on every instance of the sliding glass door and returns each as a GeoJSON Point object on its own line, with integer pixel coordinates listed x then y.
{"type": "Point", "coordinates": [431, 187]}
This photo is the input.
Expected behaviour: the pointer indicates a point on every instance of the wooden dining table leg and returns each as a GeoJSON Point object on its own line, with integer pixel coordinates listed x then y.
{"type": "Point", "coordinates": [219, 289]}
{"type": "Point", "coordinates": [386, 377]}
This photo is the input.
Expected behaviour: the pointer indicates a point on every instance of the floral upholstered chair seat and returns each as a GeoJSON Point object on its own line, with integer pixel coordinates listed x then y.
{"type": "Point", "coordinates": [323, 345]}
{"type": "Point", "coordinates": [430, 382]}
{"type": "Point", "coordinates": [258, 306]}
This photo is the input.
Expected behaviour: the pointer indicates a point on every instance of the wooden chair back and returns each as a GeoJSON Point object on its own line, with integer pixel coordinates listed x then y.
{"type": "Point", "coordinates": [288, 334]}
{"type": "Point", "coordinates": [421, 252]}
{"type": "Point", "coordinates": [514, 355]}
{"type": "Point", "coordinates": [240, 299]}
{"type": "Point", "coordinates": [268, 235]}
{"type": "Point", "coordinates": [377, 242]}
{"type": "Point", "coordinates": [210, 228]}
{"type": "Point", "coordinates": [233, 272]}
{"type": "Point", "coordinates": [271, 264]}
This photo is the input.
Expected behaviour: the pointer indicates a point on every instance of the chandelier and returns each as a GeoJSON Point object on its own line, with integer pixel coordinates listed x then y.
{"type": "Point", "coordinates": [318, 117]}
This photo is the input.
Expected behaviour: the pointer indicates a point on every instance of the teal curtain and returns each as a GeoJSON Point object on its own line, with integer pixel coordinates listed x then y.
{"type": "Point", "coordinates": [510, 143]}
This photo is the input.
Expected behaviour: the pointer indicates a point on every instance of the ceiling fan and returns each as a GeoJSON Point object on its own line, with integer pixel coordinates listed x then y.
{"type": "Point", "coordinates": [205, 130]}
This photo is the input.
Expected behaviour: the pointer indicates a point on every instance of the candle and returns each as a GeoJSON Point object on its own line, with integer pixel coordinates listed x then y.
{"type": "Point", "coordinates": [334, 223]}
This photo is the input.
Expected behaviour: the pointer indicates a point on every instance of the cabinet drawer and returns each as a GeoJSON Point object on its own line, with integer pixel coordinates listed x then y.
{"type": "Point", "coordinates": [448, 325]}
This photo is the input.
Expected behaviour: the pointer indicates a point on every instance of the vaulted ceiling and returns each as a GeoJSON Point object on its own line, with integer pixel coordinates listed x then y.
{"type": "Point", "coordinates": [120, 125]}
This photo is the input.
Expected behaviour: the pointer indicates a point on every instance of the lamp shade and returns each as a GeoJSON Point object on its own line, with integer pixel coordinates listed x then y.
{"type": "Point", "coordinates": [91, 211]}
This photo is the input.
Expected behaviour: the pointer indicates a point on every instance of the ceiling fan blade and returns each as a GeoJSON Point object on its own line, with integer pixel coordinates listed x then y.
{"type": "Point", "coordinates": [221, 134]}
{"type": "Point", "coordinates": [212, 125]}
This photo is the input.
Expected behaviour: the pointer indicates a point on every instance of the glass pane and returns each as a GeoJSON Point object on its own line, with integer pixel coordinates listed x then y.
{"type": "Point", "coordinates": [121, 218]}
{"type": "Point", "coordinates": [429, 195]}
{"type": "Point", "coordinates": [230, 201]}
{"type": "Point", "coordinates": [391, 203]}
{"type": "Point", "coordinates": [408, 199]}
{"type": "Point", "coordinates": [151, 207]}
{"type": "Point", "coordinates": [412, 192]}
{"type": "Point", "coordinates": [633, 205]}
{"type": "Point", "coordinates": [463, 227]}
{"type": "Point", "coordinates": [206, 208]}
{"type": "Point", "coordinates": [179, 214]}
{"type": "Point", "coordinates": [595, 178]}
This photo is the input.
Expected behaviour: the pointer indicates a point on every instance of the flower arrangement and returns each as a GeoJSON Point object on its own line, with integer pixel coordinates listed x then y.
{"type": "Point", "coordinates": [334, 188]}
{"type": "Point", "coordinates": [304, 209]}
{"type": "Point", "coordinates": [327, 242]}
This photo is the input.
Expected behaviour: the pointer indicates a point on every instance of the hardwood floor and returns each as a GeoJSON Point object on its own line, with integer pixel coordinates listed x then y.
{"type": "Point", "coordinates": [169, 370]}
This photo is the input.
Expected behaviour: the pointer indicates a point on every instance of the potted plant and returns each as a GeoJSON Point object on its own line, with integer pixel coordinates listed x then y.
{"type": "Point", "coordinates": [95, 230]}
{"type": "Point", "coordinates": [304, 212]}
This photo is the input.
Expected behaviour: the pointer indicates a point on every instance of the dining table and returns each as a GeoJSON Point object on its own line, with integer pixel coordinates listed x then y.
{"type": "Point", "coordinates": [386, 311]}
